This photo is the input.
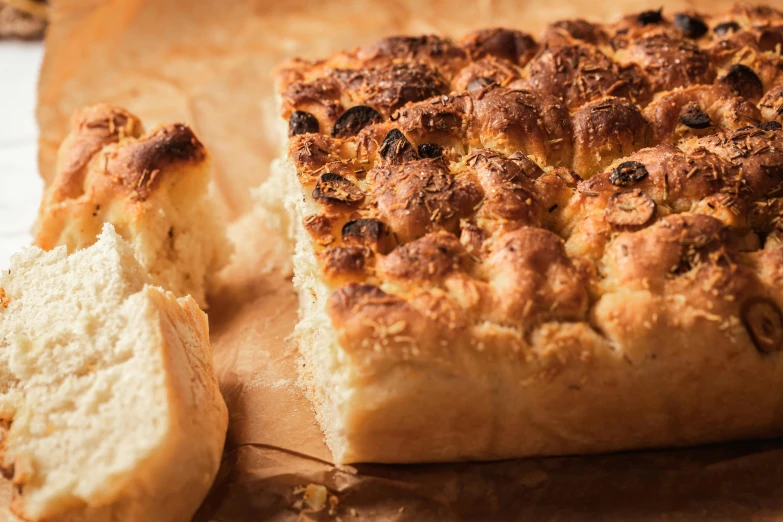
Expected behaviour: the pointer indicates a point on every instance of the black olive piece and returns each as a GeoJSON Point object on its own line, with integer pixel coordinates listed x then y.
{"type": "Point", "coordinates": [366, 228]}
{"type": "Point", "coordinates": [743, 81]}
{"type": "Point", "coordinates": [746, 127]}
{"type": "Point", "coordinates": [726, 27]}
{"type": "Point", "coordinates": [770, 126]}
{"type": "Point", "coordinates": [695, 118]}
{"type": "Point", "coordinates": [333, 188]}
{"type": "Point", "coordinates": [690, 25]}
{"type": "Point", "coordinates": [477, 84]}
{"type": "Point", "coordinates": [302, 122]}
{"type": "Point", "coordinates": [430, 150]}
{"type": "Point", "coordinates": [628, 173]}
{"type": "Point", "coordinates": [629, 209]}
{"type": "Point", "coordinates": [763, 320]}
{"type": "Point", "coordinates": [366, 231]}
{"type": "Point", "coordinates": [396, 149]}
{"type": "Point", "coordinates": [650, 17]}
{"type": "Point", "coordinates": [354, 120]}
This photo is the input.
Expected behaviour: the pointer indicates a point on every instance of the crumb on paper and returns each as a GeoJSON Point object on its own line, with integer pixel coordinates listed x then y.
{"type": "Point", "coordinates": [333, 501]}
{"type": "Point", "coordinates": [315, 496]}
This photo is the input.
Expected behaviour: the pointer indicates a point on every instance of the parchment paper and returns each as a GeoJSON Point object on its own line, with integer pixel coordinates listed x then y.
{"type": "Point", "coordinates": [208, 63]}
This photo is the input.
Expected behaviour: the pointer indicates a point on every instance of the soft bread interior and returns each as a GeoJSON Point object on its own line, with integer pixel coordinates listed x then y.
{"type": "Point", "coordinates": [280, 204]}
{"type": "Point", "coordinates": [325, 374]}
{"type": "Point", "coordinates": [109, 391]}
{"type": "Point", "coordinates": [181, 241]}
{"type": "Point", "coordinates": [274, 201]}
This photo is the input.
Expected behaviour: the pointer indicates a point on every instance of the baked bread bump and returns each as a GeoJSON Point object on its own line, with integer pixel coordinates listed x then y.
{"type": "Point", "coordinates": [154, 189]}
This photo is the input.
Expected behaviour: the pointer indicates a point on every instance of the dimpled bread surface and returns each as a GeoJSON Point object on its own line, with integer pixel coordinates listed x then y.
{"type": "Point", "coordinates": [512, 246]}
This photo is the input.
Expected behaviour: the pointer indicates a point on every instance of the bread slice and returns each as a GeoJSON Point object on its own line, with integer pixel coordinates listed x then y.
{"type": "Point", "coordinates": [509, 246]}
{"type": "Point", "coordinates": [109, 401]}
{"type": "Point", "coordinates": [154, 189]}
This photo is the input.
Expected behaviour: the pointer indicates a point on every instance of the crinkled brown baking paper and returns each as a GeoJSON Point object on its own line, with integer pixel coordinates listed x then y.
{"type": "Point", "coordinates": [208, 63]}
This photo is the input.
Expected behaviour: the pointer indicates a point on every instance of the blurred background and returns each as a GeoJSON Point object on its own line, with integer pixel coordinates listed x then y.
{"type": "Point", "coordinates": [21, 52]}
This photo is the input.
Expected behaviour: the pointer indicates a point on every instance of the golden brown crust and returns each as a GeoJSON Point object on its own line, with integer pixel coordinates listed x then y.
{"type": "Point", "coordinates": [532, 276]}
{"type": "Point", "coordinates": [134, 167]}
{"type": "Point", "coordinates": [759, 155]}
{"type": "Point", "coordinates": [753, 46]}
{"type": "Point", "coordinates": [565, 32]}
{"type": "Point", "coordinates": [91, 130]}
{"type": "Point", "coordinates": [509, 194]}
{"type": "Point", "coordinates": [699, 111]}
{"type": "Point", "coordinates": [771, 105]}
{"type": "Point", "coordinates": [433, 49]}
{"type": "Point", "coordinates": [484, 72]}
{"type": "Point", "coordinates": [604, 130]}
{"type": "Point", "coordinates": [428, 258]}
{"type": "Point", "coordinates": [138, 166]}
{"type": "Point", "coordinates": [670, 62]}
{"type": "Point", "coordinates": [583, 102]}
{"type": "Point", "coordinates": [580, 73]}
{"type": "Point", "coordinates": [388, 87]}
{"type": "Point", "coordinates": [441, 120]}
{"type": "Point", "coordinates": [512, 120]}
{"type": "Point", "coordinates": [345, 263]}
{"type": "Point", "coordinates": [506, 44]}
{"type": "Point", "coordinates": [421, 197]}
{"type": "Point", "coordinates": [609, 188]}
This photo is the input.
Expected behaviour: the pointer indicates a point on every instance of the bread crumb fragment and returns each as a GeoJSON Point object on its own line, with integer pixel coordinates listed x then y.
{"type": "Point", "coordinates": [333, 501]}
{"type": "Point", "coordinates": [315, 496]}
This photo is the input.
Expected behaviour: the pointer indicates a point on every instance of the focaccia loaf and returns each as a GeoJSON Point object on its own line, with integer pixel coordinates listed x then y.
{"type": "Point", "coordinates": [154, 189]}
{"type": "Point", "coordinates": [109, 406]}
{"type": "Point", "coordinates": [509, 246]}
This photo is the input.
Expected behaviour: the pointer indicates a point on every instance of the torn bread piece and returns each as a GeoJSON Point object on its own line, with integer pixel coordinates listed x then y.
{"type": "Point", "coordinates": [154, 189]}
{"type": "Point", "coordinates": [110, 407]}
{"type": "Point", "coordinates": [508, 248]}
